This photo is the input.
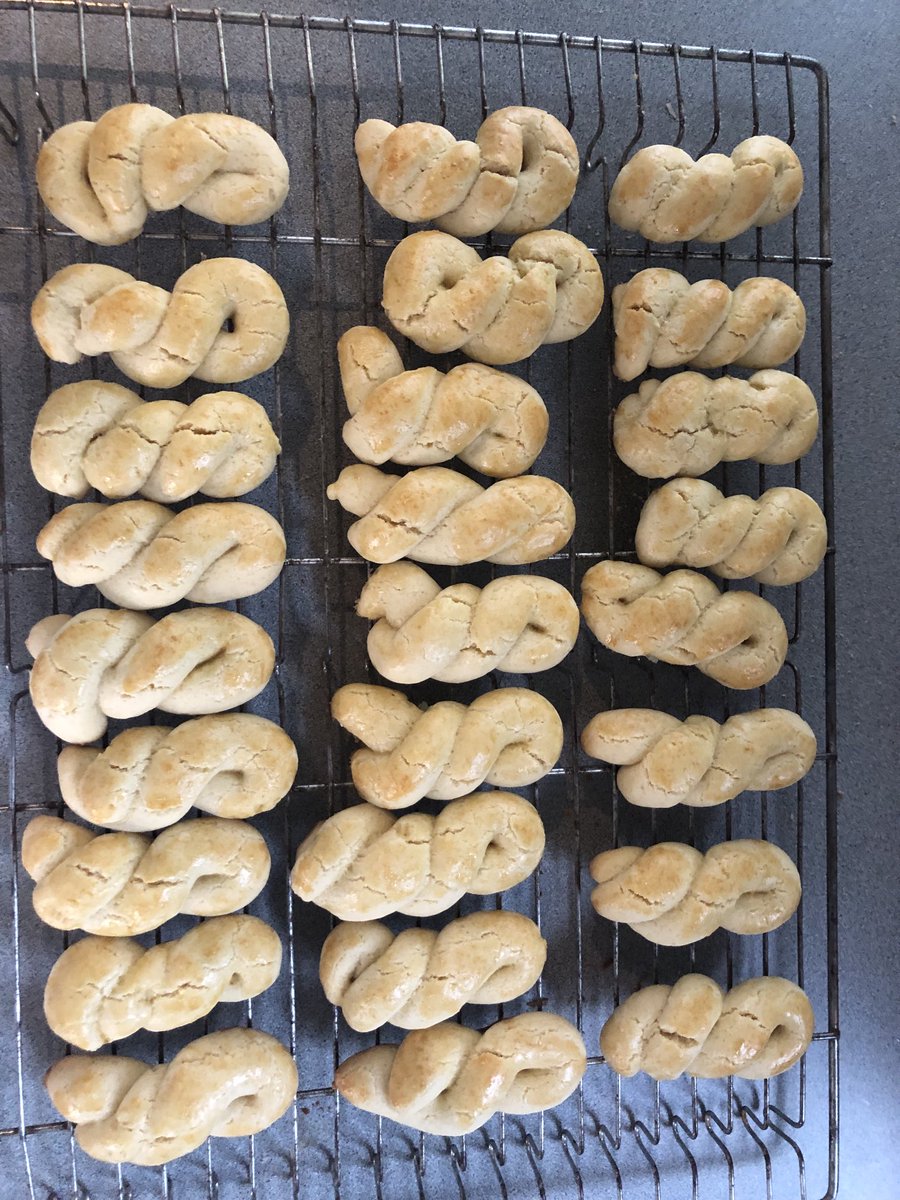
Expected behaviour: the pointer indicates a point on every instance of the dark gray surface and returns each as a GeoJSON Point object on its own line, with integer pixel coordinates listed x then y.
{"type": "Point", "coordinates": [859, 50]}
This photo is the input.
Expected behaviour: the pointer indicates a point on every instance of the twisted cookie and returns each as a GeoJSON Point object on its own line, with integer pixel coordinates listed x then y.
{"type": "Point", "coordinates": [494, 422]}
{"type": "Point", "coordinates": [114, 663]}
{"type": "Point", "coordinates": [143, 555]}
{"type": "Point", "coordinates": [161, 338]}
{"type": "Point", "coordinates": [687, 424]}
{"type": "Point", "coordinates": [673, 894]}
{"type": "Point", "coordinates": [233, 765]}
{"type": "Point", "coordinates": [662, 320]}
{"type": "Point", "coordinates": [439, 293]}
{"type": "Point", "coordinates": [105, 988]}
{"type": "Point", "coordinates": [121, 884]}
{"type": "Point", "coordinates": [736, 638]}
{"type": "Point", "coordinates": [99, 435]}
{"type": "Point", "coordinates": [509, 737]}
{"type": "Point", "coordinates": [519, 623]}
{"type": "Point", "coordinates": [779, 538]}
{"type": "Point", "coordinates": [450, 1080]}
{"type": "Point", "coordinates": [758, 1029]}
{"type": "Point", "coordinates": [420, 977]}
{"type": "Point", "coordinates": [699, 762]}
{"type": "Point", "coordinates": [436, 515]}
{"type": "Point", "coordinates": [226, 1084]}
{"type": "Point", "coordinates": [666, 196]}
{"type": "Point", "coordinates": [519, 174]}
{"type": "Point", "coordinates": [102, 178]}
{"type": "Point", "coordinates": [363, 863]}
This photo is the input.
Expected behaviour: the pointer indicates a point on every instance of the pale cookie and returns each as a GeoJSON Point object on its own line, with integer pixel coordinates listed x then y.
{"type": "Point", "coordinates": [510, 737]}
{"type": "Point", "coordinates": [757, 1030]}
{"type": "Point", "coordinates": [94, 434]}
{"type": "Point", "coordinates": [232, 1083]}
{"type": "Point", "coordinates": [518, 175]}
{"type": "Point", "coordinates": [518, 623]}
{"type": "Point", "coordinates": [664, 761]}
{"type": "Point", "coordinates": [225, 320]}
{"type": "Point", "coordinates": [450, 1080]}
{"type": "Point", "coordinates": [102, 178]}
{"type": "Point", "coordinates": [122, 884]}
{"type": "Point", "coordinates": [492, 421]}
{"type": "Point", "coordinates": [364, 863]}
{"type": "Point", "coordinates": [419, 977]}
{"type": "Point", "coordinates": [439, 292]}
{"type": "Point", "coordinates": [105, 988]}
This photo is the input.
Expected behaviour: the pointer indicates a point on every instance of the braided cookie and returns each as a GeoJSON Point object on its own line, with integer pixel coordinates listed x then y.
{"type": "Point", "coordinates": [662, 320]}
{"type": "Point", "coordinates": [122, 884]}
{"type": "Point", "coordinates": [666, 196]}
{"type": "Point", "coordinates": [227, 1084]}
{"type": "Point", "coordinates": [518, 623]}
{"type": "Point", "coordinates": [363, 863]}
{"type": "Point", "coordinates": [687, 424]}
{"type": "Point", "coordinates": [114, 663]}
{"type": "Point", "coordinates": [233, 765]}
{"type": "Point", "coordinates": [518, 175]}
{"type": "Point", "coordinates": [105, 988]}
{"type": "Point", "coordinates": [419, 977]}
{"type": "Point", "coordinates": [509, 738]}
{"type": "Point", "coordinates": [435, 515]}
{"type": "Point", "coordinates": [161, 338]}
{"type": "Point", "coordinates": [493, 421]}
{"type": "Point", "coordinates": [440, 293]}
{"type": "Point", "coordinates": [103, 178]}
{"type": "Point", "coordinates": [674, 895]}
{"type": "Point", "coordinates": [736, 638]}
{"type": "Point", "coordinates": [143, 555]}
{"type": "Point", "coordinates": [99, 435]}
{"type": "Point", "coordinates": [778, 539]}
{"type": "Point", "coordinates": [758, 1029]}
{"type": "Point", "coordinates": [449, 1080]}
{"type": "Point", "coordinates": [698, 762]}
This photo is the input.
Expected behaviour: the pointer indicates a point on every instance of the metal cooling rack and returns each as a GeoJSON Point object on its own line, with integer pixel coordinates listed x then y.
{"type": "Point", "coordinates": [309, 80]}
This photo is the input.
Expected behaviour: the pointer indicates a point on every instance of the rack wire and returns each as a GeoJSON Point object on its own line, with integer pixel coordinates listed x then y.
{"type": "Point", "coordinates": [309, 80]}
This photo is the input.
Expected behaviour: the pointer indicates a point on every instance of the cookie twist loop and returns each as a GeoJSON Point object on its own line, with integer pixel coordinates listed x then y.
{"type": "Point", "coordinates": [233, 765]}
{"type": "Point", "coordinates": [518, 623]}
{"type": "Point", "coordinates": [114, 663]}
{"type": "Point", "coordinates": [673, 895]}
{"type": "Point", "coordinates": [227, 1084]}
{"type": "Point", "coordinates": [758, 1029]}
{"type": "Point", "coordinates": [687, 424]}
{"type": "Point", "coordinates": [419, 977]}
{"type": "Point", "coordinates": [509, 737]}
{"type": "Point", "coordinates": [662, 320]}
{"type": "Point", "coordinates": [736, 638]}
{"type": "Point", "coordinates": [363, 863]}
{"type": "Point", "coordinates": [664, 761]}
{"type": "Point", "coordinates": [435, 515]}
{"type": "Point", "coordinates": [439, 292]}
{"type": "Point", "coordinates": [161, 338]}
{"type": "Point", "coordinates": [666, 196]}
{"type": "Point", "coordinates": [94, 434]}
{"type": "Point", "coordinates": [518, 175]}
{"type": "Point", "coordinates": [450, 1080]}
{"type": "Point", "coordinates": [103, 178]}
{"type": "Point", "coordinates": [779, 539]}
{"type": "Point", "coordinates": [105, 988]}
{"type": "Point", "coordinates": [493, 421]}
{"type": "Point", "coordinates": [143, 555]}
{"type": "Point", "coordinates": [122, 884]}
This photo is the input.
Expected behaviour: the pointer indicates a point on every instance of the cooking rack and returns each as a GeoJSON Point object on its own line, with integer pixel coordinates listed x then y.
{"type": "Point", "coordinates": [309, 80]}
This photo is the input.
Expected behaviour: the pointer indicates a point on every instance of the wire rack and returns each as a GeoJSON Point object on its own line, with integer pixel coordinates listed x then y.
{"type": "Point", "coordinates": [309, 80]}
